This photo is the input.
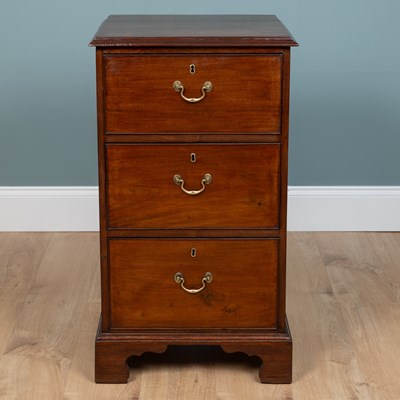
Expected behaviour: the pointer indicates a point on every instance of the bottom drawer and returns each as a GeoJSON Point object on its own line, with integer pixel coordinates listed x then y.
{"type": "Point", "coordinates": [145, 294]}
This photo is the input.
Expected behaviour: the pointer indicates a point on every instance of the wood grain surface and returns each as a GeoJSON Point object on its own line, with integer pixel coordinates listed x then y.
{"type": "Point", "coordinates": [140, 98]}
{"type": "Point", "coordinates": [242, 294]}
{"type": "Point", "coordinates": [193, 30]}
{"type": "Point", "coordinates": [243, 193]}
{"type": "Point", "coordinates": [343, 305]}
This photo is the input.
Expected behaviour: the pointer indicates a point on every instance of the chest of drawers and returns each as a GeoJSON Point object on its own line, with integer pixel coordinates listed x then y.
{"type": "Point", "coordinates": [192, 141]}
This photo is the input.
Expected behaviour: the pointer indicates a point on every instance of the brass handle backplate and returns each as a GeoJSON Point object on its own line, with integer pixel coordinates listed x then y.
{"type": "Point", "coordinates": [207, 278]}
{"type": "Point", "coordinates": [205, 181]}
{"type": "Point", "coordinates": [207, 87]}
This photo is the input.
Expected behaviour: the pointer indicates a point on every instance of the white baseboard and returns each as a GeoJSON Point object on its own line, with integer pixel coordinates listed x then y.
{"type": "Point", "coordinates": [310, 208]}
{"type": "Point", "coordinates": [51, 208]}
{"type": "Point", "coordinates": [344, 208]}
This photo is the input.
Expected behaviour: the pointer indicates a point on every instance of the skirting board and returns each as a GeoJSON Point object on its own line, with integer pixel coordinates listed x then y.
{"type": "Point", "coordinates": [51, 208]}
{"type": "Point", "coordinates": [344, 208]}
{"type": "Point", "coordinates": [310, 208]}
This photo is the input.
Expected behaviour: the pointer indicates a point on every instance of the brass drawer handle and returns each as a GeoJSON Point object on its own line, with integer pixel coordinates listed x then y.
{"type": "Point", "coordinates": [207, 278]}
{"type": "Point", "coordinates": [178, 86]}
{"type": "Point", "coordinates": [205, 181]}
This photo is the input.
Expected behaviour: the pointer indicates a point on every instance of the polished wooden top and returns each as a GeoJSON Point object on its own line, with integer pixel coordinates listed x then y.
{"type": "Point", "coordinates": [192, 30]}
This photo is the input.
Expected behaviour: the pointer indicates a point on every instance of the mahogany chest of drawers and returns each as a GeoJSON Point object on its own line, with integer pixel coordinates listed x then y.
{"type": "Point", "coordinates": [192, 139]}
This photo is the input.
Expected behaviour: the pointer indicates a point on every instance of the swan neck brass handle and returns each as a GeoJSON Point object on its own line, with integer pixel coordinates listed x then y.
{"type": "Point", "coordinates": [207, 87]}
{"type": "Point", "coordinates": [207, 278]}
{"type": "Point", "coordinates": [205, 181]}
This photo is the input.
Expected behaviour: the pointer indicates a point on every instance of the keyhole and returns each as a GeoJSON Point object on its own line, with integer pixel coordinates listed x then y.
{"type": "Point", "coordinates": [193, 157]}
{"type": "Point", "coordinates": [192, 69]}
{"type": "Point", "coordinates": [193, 252]}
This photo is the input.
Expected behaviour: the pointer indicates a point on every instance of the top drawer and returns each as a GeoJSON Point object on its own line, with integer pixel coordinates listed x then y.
{"type": "Point", "coordinates": [245, 95]}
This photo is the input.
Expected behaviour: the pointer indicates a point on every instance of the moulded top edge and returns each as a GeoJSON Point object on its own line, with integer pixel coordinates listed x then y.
{"type": "Point", "coordinates": [192, 30]}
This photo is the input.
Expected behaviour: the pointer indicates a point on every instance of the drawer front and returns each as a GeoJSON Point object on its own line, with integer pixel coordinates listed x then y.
{"type": "Point", "coordinates": [242, 293]}
{"type": "Point", "coordinates": [243, 192]}
{"type": "Point", "coordinates": [245, 95]}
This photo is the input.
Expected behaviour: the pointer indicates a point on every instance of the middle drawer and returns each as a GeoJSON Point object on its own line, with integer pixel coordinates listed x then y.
{"type": "Point", "coordinates": [213, 186]}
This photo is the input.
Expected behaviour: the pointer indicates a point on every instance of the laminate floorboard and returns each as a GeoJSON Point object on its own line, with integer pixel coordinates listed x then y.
{"type": "Point", "coordinates": [343, 304]}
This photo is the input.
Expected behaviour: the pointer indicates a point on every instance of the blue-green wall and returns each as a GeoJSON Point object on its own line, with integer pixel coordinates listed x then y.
{"type": "Point", "coordinates": [345, 107]}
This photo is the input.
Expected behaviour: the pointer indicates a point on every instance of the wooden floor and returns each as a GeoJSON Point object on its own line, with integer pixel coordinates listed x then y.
{"type": "Point", "coordinates": [343, 309]}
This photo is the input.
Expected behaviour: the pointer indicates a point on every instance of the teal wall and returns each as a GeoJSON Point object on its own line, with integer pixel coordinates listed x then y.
{"type": "Point", "coordinates": [345, 106]}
